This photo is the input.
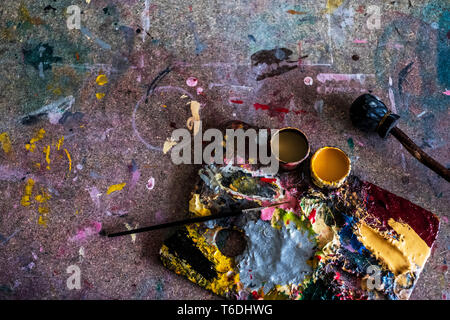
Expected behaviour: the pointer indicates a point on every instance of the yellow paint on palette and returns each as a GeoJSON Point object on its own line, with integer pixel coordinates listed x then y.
{"type": "Point", "coordinates": [70, 159]}
{"type": "Point", "coordinates": [100, 95]}
{"type": "Point", "coordinates": [224, 265]}
{"type": "Point", "coordinates": [25, 201]}
{"type": "Point", "coordinates": [197, 207]}
{"type": "Point", "coordinates": [38, 136]}
{"type": "Point", "coordinates": [6, 142]}
{"type": "Point", "coordinates": [115, 187]}
{"type": "Point", "coordinates": [101, 80]}
{"type": "Point", "coordinates": [408, 253]}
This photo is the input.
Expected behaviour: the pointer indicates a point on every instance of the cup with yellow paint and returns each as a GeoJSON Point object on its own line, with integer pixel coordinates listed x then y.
{"type": "Point", "coordinates": [329, 167]}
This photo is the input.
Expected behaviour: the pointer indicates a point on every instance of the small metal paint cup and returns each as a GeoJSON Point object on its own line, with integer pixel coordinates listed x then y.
{"type": "Point", "coordinates": [329, 167]}
{"type": "Point", "coordinates": [293, 147]}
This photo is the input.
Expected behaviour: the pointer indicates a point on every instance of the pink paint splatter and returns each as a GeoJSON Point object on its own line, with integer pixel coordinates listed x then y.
{"type": "Point", "coordinates": [191, 81]}
{"type": "Point", "coordinates": [446, 92]}
{"type": "Point", "coordinates": [150, 183]}
{"type": "Point", "coordinates": [360, 41]}
{"type": "Point", "coordinates": [267, 213]}
{"type": "Point", "coordinates": [86, 232]}
{"type": "Point", "coordinates": [199, 90]}
{"type": "Point", "coordinates": [308, 81]}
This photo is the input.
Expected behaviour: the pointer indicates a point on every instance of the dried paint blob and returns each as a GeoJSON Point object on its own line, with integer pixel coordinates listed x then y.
{"type": "Point", "coordinates": [274, 256]}
{"type": "Point", "coordinates": [150, 183]}
{"type": "Point", "coordinates": [308, 81]}
{"type": "Point", "coordinates": [191, 81]}
{"type": "Point", "coordinates": [199, 90]}
{"type": "Point", "coordinates": [230, 242]}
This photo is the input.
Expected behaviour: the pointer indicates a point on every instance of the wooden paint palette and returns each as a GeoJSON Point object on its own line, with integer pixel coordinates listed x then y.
{"type": "Point", "coordinates": [356, 242]}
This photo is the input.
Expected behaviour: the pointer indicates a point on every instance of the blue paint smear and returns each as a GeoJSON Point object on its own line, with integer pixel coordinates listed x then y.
{"type": "Point", "coordinates": [348, 238]}
{"type": "Point", "coordinates": [252, 38]}
{"type": "Point", "coordinates": [443, 51]}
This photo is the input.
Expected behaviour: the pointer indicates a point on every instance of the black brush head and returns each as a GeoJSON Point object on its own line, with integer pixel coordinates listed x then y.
{"type": "Point", "coordinates": [370, 114]}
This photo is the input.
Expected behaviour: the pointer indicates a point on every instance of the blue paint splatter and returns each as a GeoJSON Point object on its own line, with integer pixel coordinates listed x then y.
{"type": "Point", "coordinates": [252, 38]}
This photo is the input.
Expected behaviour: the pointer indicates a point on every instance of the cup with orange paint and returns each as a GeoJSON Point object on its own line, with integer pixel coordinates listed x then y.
{"type": "Point", "coordinates": [329, 167]}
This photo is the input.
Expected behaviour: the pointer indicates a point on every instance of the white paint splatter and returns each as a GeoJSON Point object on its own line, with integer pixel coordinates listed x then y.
{"type": "Point", "coordinates": [150, 183]}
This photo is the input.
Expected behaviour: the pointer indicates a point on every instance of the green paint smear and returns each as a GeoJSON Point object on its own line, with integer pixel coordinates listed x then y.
{"type": "Point", "coordinates": [351, 144]}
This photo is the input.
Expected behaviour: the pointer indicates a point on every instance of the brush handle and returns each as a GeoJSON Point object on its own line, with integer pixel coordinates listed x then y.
{"type": "Point", "coordinates": [419, 154]}
{"type": "Point", "coordinates": [176, 223]}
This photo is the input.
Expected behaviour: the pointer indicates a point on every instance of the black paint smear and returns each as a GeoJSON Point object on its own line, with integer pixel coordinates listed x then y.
{"type": "Point", "coordinates": [48, 8]}
{"type": "Point", "coordinates": [275, 72]}
{"type": "Point", "coordinates": [155, 82]}
{"type": "Point", "coordinates": [402, 77]}
{"type": "Point", "coordinates": [355, 57]}
{"type": "Point", "coordinates": [42, 53]}
{"type": "Point", "coordinates": [181, 246]}
{"type": "Point", "coordinates": [270, 56]}
{"type": "Point", "coordinates": [30, 120]}
{"type": "Point", "coordinates": [69, 117]}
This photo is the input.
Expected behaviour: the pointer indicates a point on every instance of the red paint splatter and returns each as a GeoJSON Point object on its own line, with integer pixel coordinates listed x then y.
{"type": "Point", "coordinates": [255, 295]}
{"type": "Point", "coordinates": [77, 56]}
{"type": "Point", "coordinates": [261, 106]}
{"type": "Point", "coordinates": [287, 221]}
{"type": "Point", "coordinates": [319, 258]}
{"type": "Point", "coordinates": [237, 101]}
{"type": "Point", "coordinates": [312, 216]}
{"type": "Point", "coordinates": [337, 276]}
{"type": "Point", "coordinates": [300, 112]}
{"type": "Point", "coordinates": [282, 110]}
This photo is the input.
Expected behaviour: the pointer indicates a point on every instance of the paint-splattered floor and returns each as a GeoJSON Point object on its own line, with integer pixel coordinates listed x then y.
{"type": "Point", "coordinates": [98, 161]}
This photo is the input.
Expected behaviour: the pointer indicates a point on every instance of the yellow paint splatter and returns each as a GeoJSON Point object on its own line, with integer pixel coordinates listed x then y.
{"type": "Point", "coordinates": [168, 144]}
{"type": "Point", "coordinates": [24, 15]}
{"type": "Point", "coordinates": [333, 5]}
{"type": "Point", "coordinates": [25, 201]}
{"type": "Point", "coordinates": [193, 123]}
{"type": "Point", "coordinates": [115, 187]}
{"type": "Point", "coordinates": [42, 221]}
{"type": "Point", "coordinates": [38, 136]}
{"type": "Point", "coordinates": [6, 142]}
{"type": "Point", "coordinates": [70, 159]}
{"type": "Point", "coordinates": [133, 236]}
{"type": "Point", "coordinates": [47, 156]}
{"type": "Point", "coordinates": [101, 80]}
{"type": "Point", "coordinates": [60, 143]}
{"type": "Point", "coordinates": [164, 106]}
{"type": "Point", "coordinates": [100, 95]}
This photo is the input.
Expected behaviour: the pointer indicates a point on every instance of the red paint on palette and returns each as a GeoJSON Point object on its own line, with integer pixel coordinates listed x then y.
{"type": "Point", "coordinates": [269, 180]}
{"type": "Point", "coordinates": [383, 205]}
{"type": "Point", "coordinates": [237, 101]}
{"type": "Point", "coordinates": [312, 216]}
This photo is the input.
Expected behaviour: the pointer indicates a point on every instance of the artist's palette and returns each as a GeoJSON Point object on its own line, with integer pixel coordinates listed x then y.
{"type": "Point", "coordinates": [356, 242]}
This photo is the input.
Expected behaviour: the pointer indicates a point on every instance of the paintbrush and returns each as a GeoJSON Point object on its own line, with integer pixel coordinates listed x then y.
{"type": "Point", "coordinates": [189, 221]}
